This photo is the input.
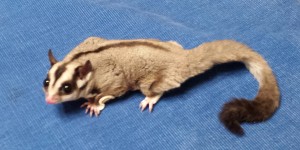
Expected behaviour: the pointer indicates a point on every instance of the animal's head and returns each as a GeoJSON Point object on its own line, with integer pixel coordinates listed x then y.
{"type": "Point", "coordinates": [65, 81]}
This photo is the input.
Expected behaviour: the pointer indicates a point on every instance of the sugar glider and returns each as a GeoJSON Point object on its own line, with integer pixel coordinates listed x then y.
{"type": "Point", "coordinates": [100, 70]}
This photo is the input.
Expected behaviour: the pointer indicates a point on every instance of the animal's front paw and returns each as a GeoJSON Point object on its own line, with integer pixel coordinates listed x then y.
{"type": "Point", "coordinates": [93, 108]}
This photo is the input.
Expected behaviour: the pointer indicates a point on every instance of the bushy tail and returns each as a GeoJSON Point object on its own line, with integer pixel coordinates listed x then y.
{"type": "Point", "coordinates": [239, 110]}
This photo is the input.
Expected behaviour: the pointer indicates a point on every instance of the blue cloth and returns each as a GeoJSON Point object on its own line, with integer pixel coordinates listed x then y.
{"type": "Point", "coordinates": [186, 118]}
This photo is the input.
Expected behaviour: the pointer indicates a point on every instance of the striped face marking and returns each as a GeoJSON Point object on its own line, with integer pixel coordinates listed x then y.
{"type": "Point", "coordinates": [63, 82]}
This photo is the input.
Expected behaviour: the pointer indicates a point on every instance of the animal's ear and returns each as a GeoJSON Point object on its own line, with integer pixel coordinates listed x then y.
{"type": "Point", "coordinates": [51, 58]}
{"type": "Point", "coordinates": [84, 70]}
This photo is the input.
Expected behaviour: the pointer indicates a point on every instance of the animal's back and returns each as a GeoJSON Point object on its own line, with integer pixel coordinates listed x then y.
{"type": "Point", "coordinates": [135, 57]}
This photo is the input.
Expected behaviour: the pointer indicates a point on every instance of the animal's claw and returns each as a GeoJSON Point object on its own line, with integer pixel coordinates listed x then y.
{"type": "Point", "coordinates": [93, 108]}
{"type": "Point", "coordinates": [143, 105]}
{"type": "Point", "coordinates": [150, 102]}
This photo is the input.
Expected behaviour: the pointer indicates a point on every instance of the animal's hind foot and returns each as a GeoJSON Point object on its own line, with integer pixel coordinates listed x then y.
{"type": "Point", "coordinates": [150, 102]}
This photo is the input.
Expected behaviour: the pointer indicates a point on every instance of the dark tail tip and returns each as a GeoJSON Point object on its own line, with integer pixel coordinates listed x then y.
{"type": "Point", "coordinates": [236, 112]}
{"type": "Point", "coordinates": [234, 127]}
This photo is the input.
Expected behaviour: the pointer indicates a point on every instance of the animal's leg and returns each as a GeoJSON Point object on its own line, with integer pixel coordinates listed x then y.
{"type": "Point", "coordinates": [154, 90]}
{"type": "Point", "coordinates": [149, 101]}
{"type": "Point", "coordinates": [95, 106]}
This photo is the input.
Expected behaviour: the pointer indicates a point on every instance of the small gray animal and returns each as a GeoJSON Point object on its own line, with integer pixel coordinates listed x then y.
{"type": "Point", "coordinates": [100, 70]}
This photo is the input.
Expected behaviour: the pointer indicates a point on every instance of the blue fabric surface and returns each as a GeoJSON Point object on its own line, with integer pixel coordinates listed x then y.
{"type": "Point", "coordinates": [186, 118]}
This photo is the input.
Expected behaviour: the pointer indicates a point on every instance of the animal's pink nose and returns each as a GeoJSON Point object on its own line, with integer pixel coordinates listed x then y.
{"type": "Point", "coordinates": [51, 99]}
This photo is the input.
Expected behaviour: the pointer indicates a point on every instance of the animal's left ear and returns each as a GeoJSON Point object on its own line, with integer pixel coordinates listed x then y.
{"type": "Point", "coordinates": [51, 58]}
{"type": "Point", "coordinates": [84, 70]}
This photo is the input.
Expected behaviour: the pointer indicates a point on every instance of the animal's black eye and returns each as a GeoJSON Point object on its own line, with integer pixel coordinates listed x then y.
{"type": "Point", "coordinates": [46, 82]}
{"type": "Point", "coordinates": [67, 88]}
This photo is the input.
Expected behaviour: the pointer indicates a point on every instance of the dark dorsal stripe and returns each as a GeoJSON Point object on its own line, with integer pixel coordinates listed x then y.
{"type": "Point", "coordinates": [121, 44]}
